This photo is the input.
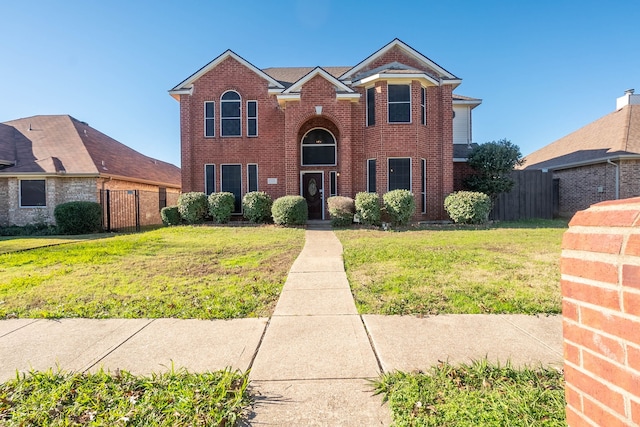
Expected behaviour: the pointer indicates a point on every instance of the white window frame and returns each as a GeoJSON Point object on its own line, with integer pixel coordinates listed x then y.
{"type": "Point", "coordinates": [257, 175]}
{"type": "Point", "coordinates": [20, 193]}
{"type": "Point", "coordinates": [239, 118]}
{"type": "Point", "coordinates": [335, 149]}
{"type": "Point", "coordinates": [410, 172]}
{"type": "Point", "coordinates": [213, 103]}
{"type": "Point", "coordinates": [423, 105]}
{"type": "Point", "coordinates": [399, 102]}
{"type": "Point", "coordinates": [333, 177]}
{"type": "Point", "coordinates": [252, 118]}
{"type": "Point", "coordinates": [366, 109]}
{"type": "Point", "coordinates": [369, 177]}
{"type": "Point", "coordinates": [205, 178]}
{"type": "Point", "coordinates": [241, 183]}
{"type": "Point", "coordinates": [423, 184]}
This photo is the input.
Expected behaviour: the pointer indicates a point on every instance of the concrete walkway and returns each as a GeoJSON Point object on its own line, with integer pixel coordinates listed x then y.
{"type": "Point", "coordinates": [310, 362]}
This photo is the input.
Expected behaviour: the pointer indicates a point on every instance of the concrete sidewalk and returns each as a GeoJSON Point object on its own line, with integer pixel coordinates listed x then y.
{"type": "Point", "coordinates": [310, 362]}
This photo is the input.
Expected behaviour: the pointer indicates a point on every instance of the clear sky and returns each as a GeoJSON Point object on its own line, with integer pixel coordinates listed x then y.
{"type": "Point", "coordinates": [543, 68]}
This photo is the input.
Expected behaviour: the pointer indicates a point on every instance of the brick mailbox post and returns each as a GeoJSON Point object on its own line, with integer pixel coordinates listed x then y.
{"type": "Point", "coordinates": [601, 315]}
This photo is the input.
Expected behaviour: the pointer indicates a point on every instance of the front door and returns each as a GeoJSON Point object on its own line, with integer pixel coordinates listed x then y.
{"type": "Point", "coordinates": [312, 191]}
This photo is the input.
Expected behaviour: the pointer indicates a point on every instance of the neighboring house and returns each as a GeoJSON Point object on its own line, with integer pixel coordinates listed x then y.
{"type": "Point", "coordinates": [386, 123]}
{"type": "Point", "coordinates": [600, 161]}
{"type": "Point", "coordinates": [48, 160]}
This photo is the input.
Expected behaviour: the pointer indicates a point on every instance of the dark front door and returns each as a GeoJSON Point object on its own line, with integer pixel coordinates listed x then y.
{"type": "Point", "coordinates": [312, 191]}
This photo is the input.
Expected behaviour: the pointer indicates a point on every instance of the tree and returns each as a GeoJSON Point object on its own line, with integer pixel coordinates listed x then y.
{"type": "Point", "coordinates": [493, 163]}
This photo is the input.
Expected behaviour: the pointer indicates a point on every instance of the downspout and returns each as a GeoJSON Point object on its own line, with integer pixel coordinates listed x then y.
{"type": "Point", "coordinates": [617, 166]}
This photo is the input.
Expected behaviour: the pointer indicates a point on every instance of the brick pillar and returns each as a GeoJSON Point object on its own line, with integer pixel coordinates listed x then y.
{"type": "Point", "coordinates": [601, 315]}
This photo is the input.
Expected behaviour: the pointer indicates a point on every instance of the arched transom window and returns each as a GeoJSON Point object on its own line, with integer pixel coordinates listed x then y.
{"type": "Point", "coordinates": [318, 148]}
{"type": "Point", "coordinates": [230, 114]}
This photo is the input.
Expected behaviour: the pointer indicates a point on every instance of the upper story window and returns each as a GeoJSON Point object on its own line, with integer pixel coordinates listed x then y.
{"type": "Point", "coordinates": [399, 103]}
{"type": "Point", "coordinates": [252, 118]}
{"type": "Point", "coordinates": [423, 106]}
{"type": "Point", "coordinates": [209, 119]}
{"type": "Point", "coordinates": [33, 193]}
{"type": "Point", "coordinates": [371, 106]}
{"type": "Point", "coordinates": [230, 114]}
{"type": "Point", "coordinates": [318, 148]}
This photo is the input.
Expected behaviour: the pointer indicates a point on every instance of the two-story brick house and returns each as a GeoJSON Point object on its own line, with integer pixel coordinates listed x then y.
{"type": "Point", "coordinates": [389, 122]}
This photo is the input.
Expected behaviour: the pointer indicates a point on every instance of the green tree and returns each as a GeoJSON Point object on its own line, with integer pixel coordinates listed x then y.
{"type": "Point", "coordinates": [493, 163]}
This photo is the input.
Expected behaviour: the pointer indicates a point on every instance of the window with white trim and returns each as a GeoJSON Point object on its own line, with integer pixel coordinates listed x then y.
{"type": "Point", "coordinates": [371, 106]}
{"type": "Point", "coordinates": [230, 114]}
{"type": "Point", "coordinates": [33, 193]}
{"type": "Point", "coordinates": [252, 177]}
{"type": "Point", "coordinates": [209, 119]}
{"type": "Point", "coordinates": [209, 179]}
{"type": "Point", "coordinates": [399, 174]}
{"type": "Point", "coordinates": [252, 118]}
{"type": "Point", "coordinates": [423, 105]}
{"type": "Point", "coordinates": [318, 148]}
{"type": "Point", "coordinates": [371, 175]}
{"type": "Point", "coordinates": [231, 182]}
{"type": "Point", "coordinates": [423, 185]}
{"type": "Point", "coordinates": [333, 183]}
{"type": "Point", "coordinates": [399, 103]}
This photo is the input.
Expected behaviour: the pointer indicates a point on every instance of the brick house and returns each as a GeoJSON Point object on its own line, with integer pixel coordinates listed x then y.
{"type": "Point", "coordinates": [598, 162]}
{"type": "Point", "coordinates": [389, 122]}
{"type": "Point", "coordinates": [48, 160]}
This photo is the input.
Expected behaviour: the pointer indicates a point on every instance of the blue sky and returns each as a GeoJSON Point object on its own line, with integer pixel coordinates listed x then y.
{"type": "Point", "coordinates": [543, 68]}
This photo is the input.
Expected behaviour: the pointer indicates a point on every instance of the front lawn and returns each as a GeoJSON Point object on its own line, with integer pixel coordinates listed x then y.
{"type": "Point", "coordinates": [512, 268]}
{"type": "Point", "coordinates": [476, 394]}
{"type": "Point", "coordinates": [20, 243]}
{"type": "Point", "coordinates": [176, 398]}
{"type": "Point", "coordinates": [183, 272]}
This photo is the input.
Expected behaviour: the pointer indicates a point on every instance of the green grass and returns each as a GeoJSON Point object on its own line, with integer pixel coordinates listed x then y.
{"type": "Point", "coordinates": [176, 398]}
{"type": "Point", "coordinates": [182, 272]}
{"type": "Point", "coordinates": [513, 268]}
{"type": "Point", "coordinates": [476, 394]}
{"type": "Point", "coordinates": [21, 243]}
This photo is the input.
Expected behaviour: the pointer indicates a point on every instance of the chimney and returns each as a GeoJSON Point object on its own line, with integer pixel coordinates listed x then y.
{"type": "Point", "coordinates": [629, 98]}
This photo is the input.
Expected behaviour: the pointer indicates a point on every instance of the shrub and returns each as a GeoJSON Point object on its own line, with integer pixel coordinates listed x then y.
{"type": "Point", "coordinates": [400, 206]}
{"type": "Point", "coordinates": [341, 210]}
{"type": "Point", "coordinates": [257, 206]}
{"type": "Point", "coordinates": [368, 208]}
{"type": "Point", "coordinates": [468, 207]}
{"type": "Point", "coordinates": [170, 215]}
{"type": "Point", "coordinates": [78, 217]}
{"type": "Point", "coordinates": [193, 207]}
{"type": "Point", "coordinates": [290, 210]}
{"type": "Point", "coordinates": [221, 206]}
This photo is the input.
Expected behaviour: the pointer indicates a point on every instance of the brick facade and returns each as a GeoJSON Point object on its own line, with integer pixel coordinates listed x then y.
{"type": "Point", "coordinates": [282, 125]}
{"type": "Point", "coordinates": [601, 315]}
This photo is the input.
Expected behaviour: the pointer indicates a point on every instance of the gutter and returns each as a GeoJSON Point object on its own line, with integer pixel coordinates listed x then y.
{"type": "Point", "coordinates": [589, 162]}
{"type": "Point", "coordinates": [617, 166]}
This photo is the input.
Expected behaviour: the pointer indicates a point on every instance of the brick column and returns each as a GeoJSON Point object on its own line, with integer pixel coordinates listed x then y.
{"type": "Point", "coordinates": [601, 315]}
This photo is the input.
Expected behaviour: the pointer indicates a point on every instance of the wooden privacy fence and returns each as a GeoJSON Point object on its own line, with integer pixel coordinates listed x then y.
{"type": "Point", "coordinates": [534, 195]}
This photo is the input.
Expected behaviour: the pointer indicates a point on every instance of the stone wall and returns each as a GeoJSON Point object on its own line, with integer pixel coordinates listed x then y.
{"type": "Point", "coordinates": [601, 315]}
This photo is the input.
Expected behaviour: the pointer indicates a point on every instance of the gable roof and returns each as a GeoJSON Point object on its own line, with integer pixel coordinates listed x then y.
{"type": "Point", "coordinates": [61, 144]}
{"type": "Point", "coordinates": [614, 135]}
{"type": "Point", "coordinates": [289, 75]}
{"type": "Point", "coordinates": [444, 74]}
{"type": "Point", "coordinates": [318, 71]}
{"type": "Point", "coordinates": [186, 86]}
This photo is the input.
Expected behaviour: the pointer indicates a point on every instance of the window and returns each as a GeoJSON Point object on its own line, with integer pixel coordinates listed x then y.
{"type": "Point", "coordinates": [209, 119]}
{"type": "Point", "coordinates": [252, 118]}
{"type": "Point", "coordinates": [371, 106]}
{"type": "Point", "coordinates": [162, 198]}
{"type": "Point", "coordinates": [400, 174]}
{"type": "Point", "coordinates": [232, 183]}
{"type": "Point", "coordinates": [423, 106]}
{"type": "Point", "coordinates": [423, 185]}
{"type": "Point", "coordinates": [209, 179]}
{"type": "Point", "coordinates": [371, 175]}
{"type": "Point", "coordinates": [252, 177]}
{"type": "Point", "coordinates": [33, 193]}
{"type": "Point", "coordinates": [230, 114]}
{"type": "Point", "coordinates": [333, 183]}
{"type": "Point", "coordinates": [318, 148]}
{"type": "Point", "coordinates": [399, 104]}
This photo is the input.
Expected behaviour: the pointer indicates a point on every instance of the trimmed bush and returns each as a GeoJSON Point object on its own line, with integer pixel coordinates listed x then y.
{"type": "Point", "coordinates": [400, 206]}
{"type": "Point", "coordinates": [341, 210]}
{"type": "Point", "coordinates": [290, 210]}
{"type": "Point", "coordinates": [170, 215]}
{"type": "Point", "coordinates": [221, 206]}
{"type": "Point", "coordinates": [368, 208]}
{"type": "Point", "coordinates": [78, 217]}
{"type": "Point", "coordinates": [468, 207]}
{"type": "Point", "coordinates": [256, 206]}
{"type": "Point", "coordinates": [193, 207]}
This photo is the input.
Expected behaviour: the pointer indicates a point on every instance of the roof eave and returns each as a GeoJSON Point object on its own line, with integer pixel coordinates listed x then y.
{"type": "Point", "coordinates": [589, 162]}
